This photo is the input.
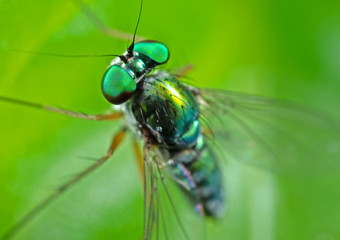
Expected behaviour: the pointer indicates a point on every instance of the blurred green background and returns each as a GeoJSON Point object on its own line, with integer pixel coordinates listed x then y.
{"type": "Point", "coordinates": [285, 49]}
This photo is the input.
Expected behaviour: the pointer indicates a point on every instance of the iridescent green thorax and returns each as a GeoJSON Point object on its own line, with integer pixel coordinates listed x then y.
{"type": "Point", "coordinates": [168, 109]}
{"type": "Point", "coordinates": [121, 78]}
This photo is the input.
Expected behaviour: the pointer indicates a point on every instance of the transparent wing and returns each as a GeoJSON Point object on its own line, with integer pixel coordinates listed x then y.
{"type": "Point", "coordinates": [167, 214]}
{"type": "Point", "coordinates": [277, 135]}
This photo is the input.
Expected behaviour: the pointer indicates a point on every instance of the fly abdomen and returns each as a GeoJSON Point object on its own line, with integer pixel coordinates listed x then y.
{"type": "Point", "coordinates": [195, 169]}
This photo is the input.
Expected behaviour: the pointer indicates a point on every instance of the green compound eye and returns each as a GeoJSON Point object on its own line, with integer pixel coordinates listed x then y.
{"type": "Point", "coordinates": [118, 85]}
{"type": "Point", "coordinates": [156, 51]}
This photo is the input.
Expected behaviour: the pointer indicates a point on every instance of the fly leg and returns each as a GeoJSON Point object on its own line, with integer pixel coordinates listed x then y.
{"type": "Point", "coordinates": [117, 139]}
{"type": "Point", "coordinates": [182, 71]}
{"type": "Point", "coordinates": [107, 117]}
{"type": "Point", "coordinates": [139, 158]}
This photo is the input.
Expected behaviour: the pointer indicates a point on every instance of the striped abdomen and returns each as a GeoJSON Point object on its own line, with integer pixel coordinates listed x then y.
{"type": "Point", "coordinates": [196, 170]}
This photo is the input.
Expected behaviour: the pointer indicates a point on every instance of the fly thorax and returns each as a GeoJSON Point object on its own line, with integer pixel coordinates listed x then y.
{"type": "Point", "coordinates": [168, 109]}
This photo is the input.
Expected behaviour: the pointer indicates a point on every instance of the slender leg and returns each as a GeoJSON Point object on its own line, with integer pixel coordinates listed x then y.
{"type": "Point", "coordinates": [118, 138]}
{"type": "Point", "coordinates": [139, 158]}
{"type": "Point", "coordinates": [181, 71]}
{"type": "Point", "coordinates": [102, 27]}
{"type": "Point", "coordinates": [111, 116]}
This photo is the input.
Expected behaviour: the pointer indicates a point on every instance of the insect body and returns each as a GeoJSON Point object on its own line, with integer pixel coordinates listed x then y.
{"type": "Point", "coordinates": [166, 114]}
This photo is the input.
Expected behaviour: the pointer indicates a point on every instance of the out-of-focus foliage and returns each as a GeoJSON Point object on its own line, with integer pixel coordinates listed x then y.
{"type": "Point", "coordinates": [284, 49]}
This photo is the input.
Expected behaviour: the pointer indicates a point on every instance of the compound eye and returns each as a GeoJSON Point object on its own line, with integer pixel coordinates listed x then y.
{"type": "Point", "coordinates": [156, 51]}
{"type": "Point", "coordinates": [118, 85]}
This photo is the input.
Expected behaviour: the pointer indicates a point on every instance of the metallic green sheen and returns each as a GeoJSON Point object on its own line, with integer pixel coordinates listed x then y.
{"type": "Point", "coordinates": [168, 113]}
{"type": "Point", "coordinates": [156, 51]}
{"type": "Point", "coordinates": [192, 134]}
{"type": "Point", "coordinates": [169, 108]}
{"type": "Point", "coordinates": [117, 81]}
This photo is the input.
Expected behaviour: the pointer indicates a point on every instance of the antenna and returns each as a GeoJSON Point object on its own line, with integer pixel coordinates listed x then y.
{"type": "Point", "coordinates": [130, 49]}
{"type": "Point", "coordinates": [63, 55]}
